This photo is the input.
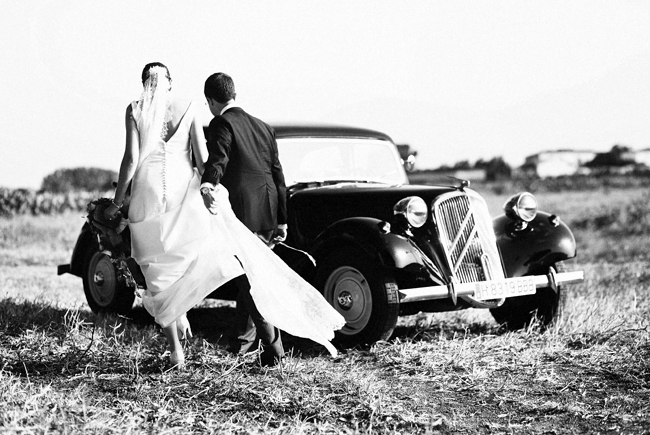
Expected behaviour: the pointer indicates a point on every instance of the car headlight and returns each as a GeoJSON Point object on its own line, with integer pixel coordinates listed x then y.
{"type": "Point", "coordinates": [522, 206]}
{"type": "Point", "coordinates": [414, 209]}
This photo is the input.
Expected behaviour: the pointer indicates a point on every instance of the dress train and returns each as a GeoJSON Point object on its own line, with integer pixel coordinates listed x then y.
{"type": "Point", "coordinates": [282, 296]}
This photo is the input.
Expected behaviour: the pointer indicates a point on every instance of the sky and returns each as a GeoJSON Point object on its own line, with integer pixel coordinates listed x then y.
{"type": "Point", "coordinates": [456, 80]}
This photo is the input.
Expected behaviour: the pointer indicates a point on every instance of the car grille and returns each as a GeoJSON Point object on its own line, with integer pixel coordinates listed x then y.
{"type": "Point", "coordinates": [465, 230]}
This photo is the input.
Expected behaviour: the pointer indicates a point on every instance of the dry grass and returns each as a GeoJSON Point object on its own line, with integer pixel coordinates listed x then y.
{"type": "Point", "coordinates": [38, 240]}
{"type": "Point", "coordinates": [64, 370]}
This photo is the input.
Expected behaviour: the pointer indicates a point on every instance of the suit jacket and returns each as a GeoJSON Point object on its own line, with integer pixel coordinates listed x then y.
{"type": "Point", "coordinates": [243, 157]}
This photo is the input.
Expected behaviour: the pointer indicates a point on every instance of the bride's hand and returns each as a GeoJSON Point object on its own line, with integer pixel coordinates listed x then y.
{"type": "Point", "coordinates": [111, 211]}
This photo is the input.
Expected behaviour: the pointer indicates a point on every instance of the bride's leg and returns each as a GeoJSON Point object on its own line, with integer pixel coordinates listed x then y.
{"type": "Point", "coordinates": [177, 358]}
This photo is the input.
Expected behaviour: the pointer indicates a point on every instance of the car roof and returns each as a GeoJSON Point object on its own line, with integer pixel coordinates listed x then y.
{"type": "Point", "coordinates": [324, 130]}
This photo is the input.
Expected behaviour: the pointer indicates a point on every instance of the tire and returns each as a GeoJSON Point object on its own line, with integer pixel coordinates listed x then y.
{"type": "Point", "coordinates": [545, 306]}
{"type": "Point", "coordinates": [104, 292]}
{"type": "Point", "coordinates": [365, 295]}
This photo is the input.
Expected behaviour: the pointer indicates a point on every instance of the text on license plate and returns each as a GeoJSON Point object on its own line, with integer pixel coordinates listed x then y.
{"type": "Point", "coordinates": [504, 288]}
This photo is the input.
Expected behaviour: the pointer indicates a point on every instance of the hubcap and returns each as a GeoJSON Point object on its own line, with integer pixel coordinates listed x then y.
{"type": "Point", "coordinates": [99, 279]}
{"type": "Point", "coordinates": [345, 300]}
{"type": "Point", "coordinates": [103, 280]}
{"type": "Point", "coordinates": [348, 291]}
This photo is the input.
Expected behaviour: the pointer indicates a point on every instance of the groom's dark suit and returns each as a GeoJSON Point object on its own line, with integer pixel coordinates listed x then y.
{"type": "Point", "coordinates": [243, 157]}
{"type": "Point", "coordinates": [246, 146]}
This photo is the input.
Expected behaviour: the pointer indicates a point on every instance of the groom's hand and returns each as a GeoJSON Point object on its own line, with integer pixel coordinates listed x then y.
{"type": "Point", "coordinates": [280, 234]}
{"type": "Point", "coordinates": [209, 199]}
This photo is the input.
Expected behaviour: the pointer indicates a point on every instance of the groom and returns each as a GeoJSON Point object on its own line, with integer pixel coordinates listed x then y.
{"type": "Point", "coordinates": [243, 157]}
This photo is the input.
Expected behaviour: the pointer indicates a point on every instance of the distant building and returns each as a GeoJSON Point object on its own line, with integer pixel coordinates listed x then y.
{"type": "Point", "coordinates": [643, 157]}
{"type": "Point", "coordinates": [559, 162]}
{"type": "Point", "coordinates": [619, 160]}
{"type": "Point", "coordinates": [469, 174]}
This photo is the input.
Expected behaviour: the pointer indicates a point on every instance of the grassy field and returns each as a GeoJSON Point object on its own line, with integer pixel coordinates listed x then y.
{"type": "Point", "coordinates": [64, 370]}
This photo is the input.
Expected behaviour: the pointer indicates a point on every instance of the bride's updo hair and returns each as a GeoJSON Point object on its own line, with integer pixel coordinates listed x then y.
{"type": "Point", "coordinates": [147, 67]}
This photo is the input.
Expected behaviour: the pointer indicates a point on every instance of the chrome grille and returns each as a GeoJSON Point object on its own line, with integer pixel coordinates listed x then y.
{"type": "Point", "coordinates": [465, 231]}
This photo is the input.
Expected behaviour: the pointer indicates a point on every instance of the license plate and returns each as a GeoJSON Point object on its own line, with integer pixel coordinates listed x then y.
{"type": "Point", "coordinates": [506, 288]}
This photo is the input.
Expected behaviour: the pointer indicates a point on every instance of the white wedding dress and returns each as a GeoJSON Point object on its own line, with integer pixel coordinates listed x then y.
{"type": "Point", "coordinates": [185, 252]}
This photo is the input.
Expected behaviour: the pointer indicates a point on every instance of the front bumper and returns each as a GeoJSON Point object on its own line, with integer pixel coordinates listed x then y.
{"type": "Point", "coordinates": [551, 280]}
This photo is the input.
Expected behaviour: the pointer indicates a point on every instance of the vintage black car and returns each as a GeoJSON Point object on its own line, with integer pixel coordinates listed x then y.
{"type": "Point", "coordinates": [378, 247]}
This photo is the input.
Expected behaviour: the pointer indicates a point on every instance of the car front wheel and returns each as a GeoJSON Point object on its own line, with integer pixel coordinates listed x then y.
{"type": "Point", "coordinates": [545, 307]}
{"type": "Point", "coordinates": [362, 293]}
{"type": "Point", "coordinates": [104, 291]}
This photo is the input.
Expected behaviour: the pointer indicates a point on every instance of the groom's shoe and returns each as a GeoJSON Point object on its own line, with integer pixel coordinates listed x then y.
{"type": "Point", "coordinates": [272, 350]}
{"type": "Point", "coordinates": [269, 357]}
{"type": "Point", "coordinates": [245, 340]}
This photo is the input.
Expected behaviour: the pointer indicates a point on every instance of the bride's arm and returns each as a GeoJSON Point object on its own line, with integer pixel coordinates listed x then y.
{"type": "Point", "coordinates": [129, 162]}
{"type": "Point", "coordinates": [199, 148]}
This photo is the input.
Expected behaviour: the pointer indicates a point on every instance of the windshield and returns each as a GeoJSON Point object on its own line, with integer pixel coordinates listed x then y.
{"type": "Point", "coordinates": [314, 159]}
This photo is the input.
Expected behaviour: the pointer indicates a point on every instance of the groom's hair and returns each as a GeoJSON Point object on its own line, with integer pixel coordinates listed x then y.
{"type": "Point", "coordinates": [220, 87]}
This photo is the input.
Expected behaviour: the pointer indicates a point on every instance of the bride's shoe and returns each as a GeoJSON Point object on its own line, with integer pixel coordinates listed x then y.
{"type": "Point", "coordinates": [177, 360]}
{"type": "Point", "coordinates": [183, 328]}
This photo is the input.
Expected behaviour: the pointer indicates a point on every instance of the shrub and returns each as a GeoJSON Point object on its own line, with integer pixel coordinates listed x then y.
{"type": "Point", "coordinates": [79, 179]}
{"type": "Point", "coordinates": [24, 201]}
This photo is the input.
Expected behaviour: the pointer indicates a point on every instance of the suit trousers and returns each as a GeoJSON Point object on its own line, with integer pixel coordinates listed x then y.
{"type": "Point", "coordinates": [250, 325]}
{"type": "Point", "coordinates": [269, 335]}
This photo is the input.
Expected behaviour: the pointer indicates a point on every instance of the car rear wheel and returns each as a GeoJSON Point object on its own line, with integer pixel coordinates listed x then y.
{"type": "Point", "coordinates": [545, 307]}
{"type": "Point", "coordinates": [104, 291]}
{"type": "Point", "coordinates": [362, 293]}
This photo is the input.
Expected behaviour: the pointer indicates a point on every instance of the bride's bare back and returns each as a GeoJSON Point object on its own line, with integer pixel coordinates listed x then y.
{"type": "Point", "coordinates": [177, 109]}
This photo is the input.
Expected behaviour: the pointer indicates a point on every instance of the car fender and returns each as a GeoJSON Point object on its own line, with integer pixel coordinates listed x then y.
{"type": "Point", "coordinates": [545, 241]}
{"type": "Point", "coordinates": [86, 240]}
{"type": "Point", "coordinates": [366, 234]}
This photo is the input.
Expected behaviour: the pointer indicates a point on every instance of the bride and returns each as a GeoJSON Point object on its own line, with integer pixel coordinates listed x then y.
{"type": "Point", "coordinates": [184, 251]}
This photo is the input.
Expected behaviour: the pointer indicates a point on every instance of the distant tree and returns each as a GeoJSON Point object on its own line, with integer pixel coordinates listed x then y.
{"type": "Point", "coordinates": [618, 156]}
{"type": "Point", "coordinates": [463, 164]}
{"type": "Point", "coordinates": [527, 170]}
{"type": "Point", "coordinates": [495, 169]}
{"type": "Point", "coordinates": [405, 151]}
{"type": "Point", "coordinates": [76, 179]}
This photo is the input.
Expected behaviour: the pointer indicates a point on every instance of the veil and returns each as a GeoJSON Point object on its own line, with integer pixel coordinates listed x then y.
{"type": "Point", "coordinates": [151, 111]}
